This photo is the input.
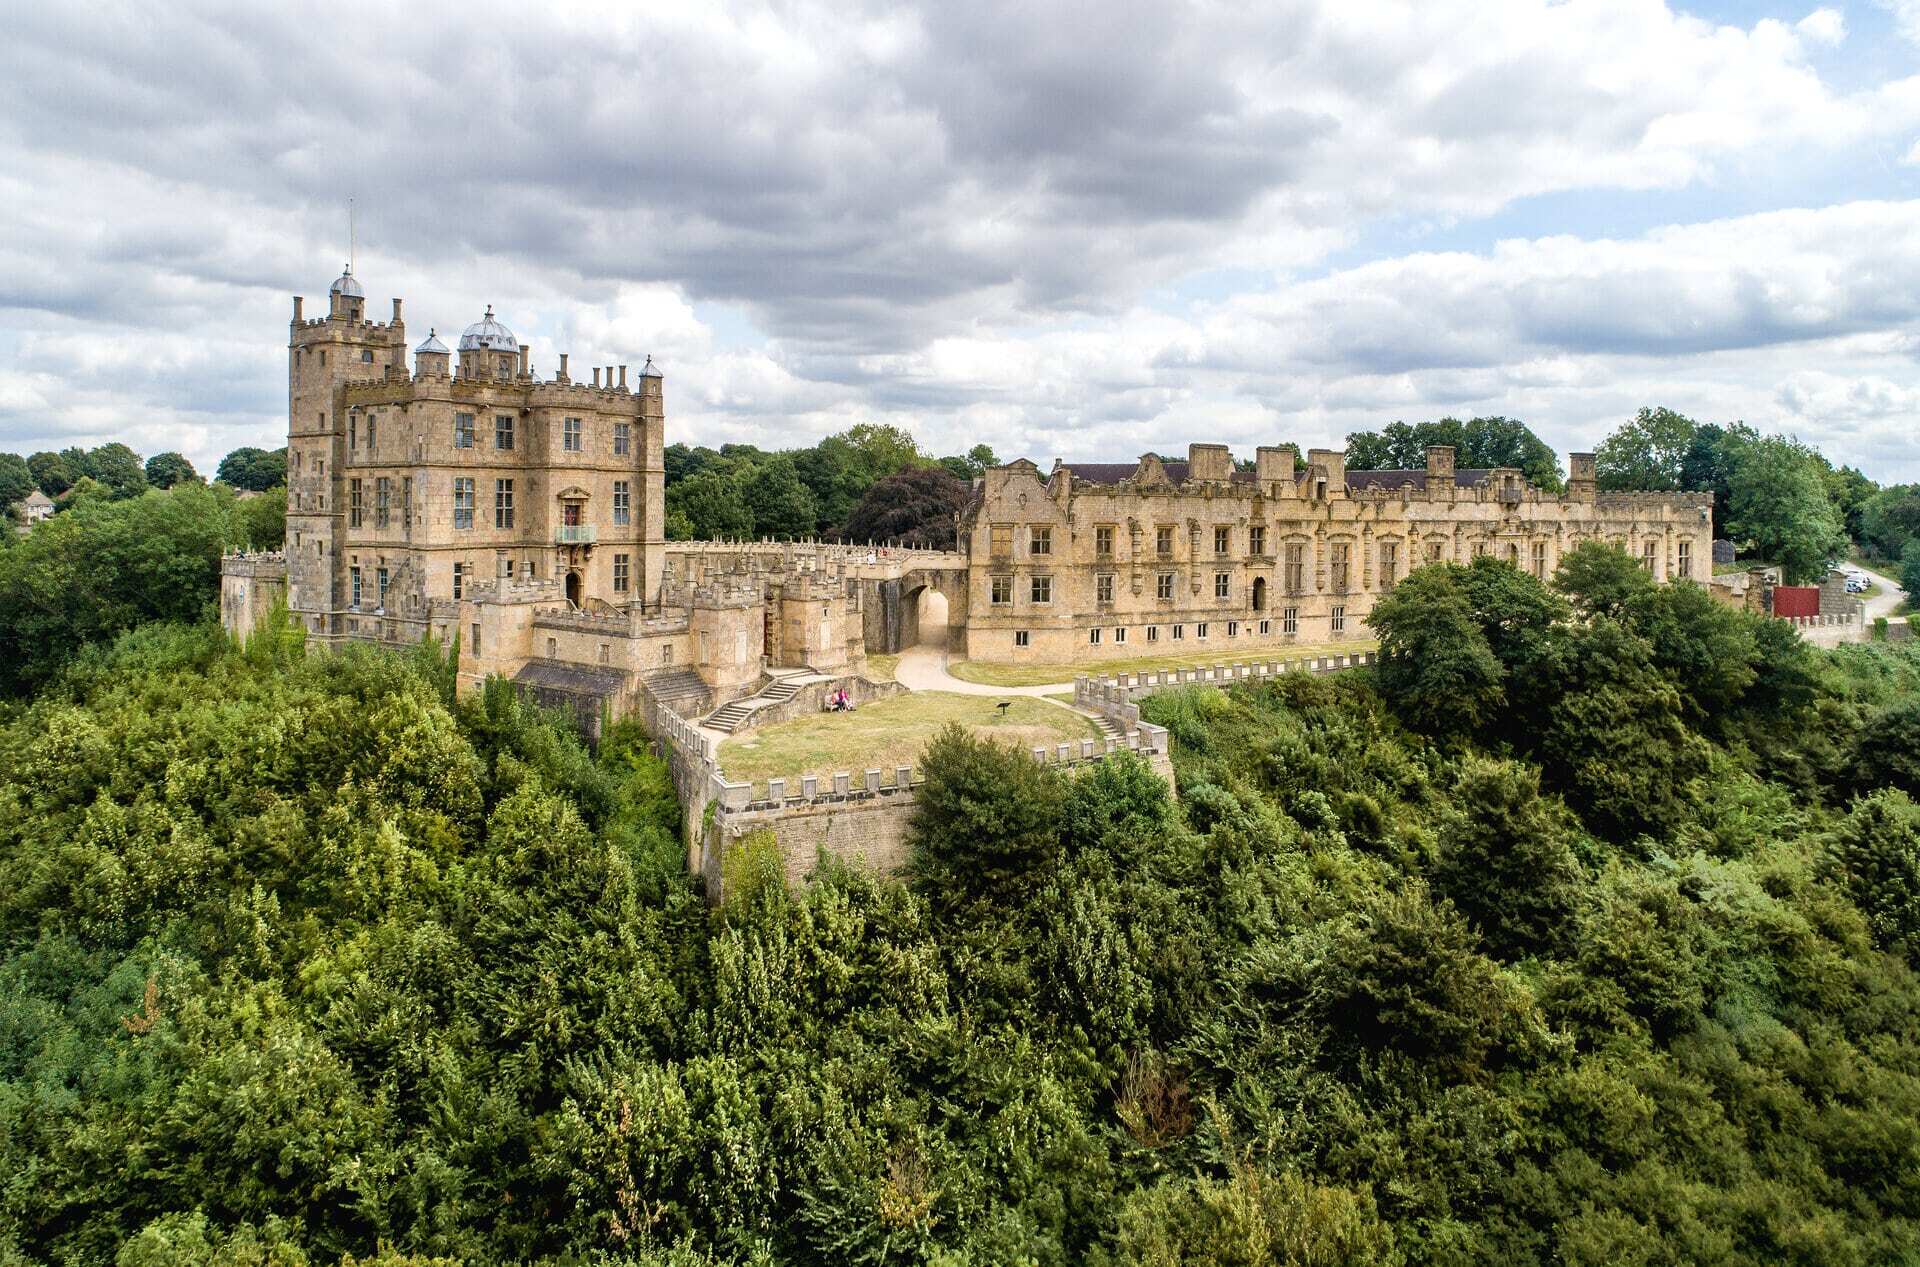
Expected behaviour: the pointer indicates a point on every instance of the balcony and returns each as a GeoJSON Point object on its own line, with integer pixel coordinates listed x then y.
{"type": "Point", "coordinates": [575, 534]}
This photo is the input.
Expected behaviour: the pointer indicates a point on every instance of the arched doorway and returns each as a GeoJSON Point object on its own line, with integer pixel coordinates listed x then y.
{"type": "Point", "coordinates": [573, 589]}
{"type": "Point", "coordinates": [930, 617]}
{"type": "Point", "coordinates": [1259, 593]}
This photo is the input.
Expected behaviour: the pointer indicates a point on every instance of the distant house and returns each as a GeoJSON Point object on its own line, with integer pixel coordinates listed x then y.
{"type": "Point", "coordinates": [36, 507]}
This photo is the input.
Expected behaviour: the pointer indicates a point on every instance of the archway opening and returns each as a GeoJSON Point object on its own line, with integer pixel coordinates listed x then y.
{"type": "Point", "coordinates": [1259, 593]}
{"type": "Point", "coordinates": [573, 588]}
{"type": "Point", "coordinates": [930, 618]}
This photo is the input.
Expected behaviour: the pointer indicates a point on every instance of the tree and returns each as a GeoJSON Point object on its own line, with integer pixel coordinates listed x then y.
{"type": "Point", "coordinates": [1601, 579]}
{"type": "Point", "coordinates": [715, 506]}
{"type": "Point", "coordinates": [782, 506]}
{"type": "Point", "coordinates": [1779, 502]}
{"type": "Point", "coordinates": [1478, 444]}
{"type": "Point", "coordinates": [680, 461]}
{"type": "Point", "coordinates": [885, 449]}
{"type": "Point", "coordinates": [1887, 749]}
{"type": "Point", "coordinates": [1506, 859]}
{"type": "Point", "coordinates": [1910, 567]}
{"type": "Point", "coordinates": [16, 482]}
{"type": "Point", "coordinates": [1874, 856]}
{"type": "Point", "coordinates": [1889, 519]}
{"type": "Point", "coordinates": [1515, 611]}
{"type": "Point", "coordinates": [51, 472]}
{"type": "Point", "coordinates": [1708, 649]}
{"type": "Point", "coordinates": [1436, 667]}
{"type": "Point", "coordinates": [1613, 741]}
{"type": "Point", "coordinates": [837, 476]}
{"type": "Point", "coordinates": [1709, 462]}
{"type": "Point", "coordinates": [164, 470]}
{"type": "Point", "coordinates": [260, 523]}
{"type": "Point", "coordinates": [1850, 491]}
{"type": "Point", "coordinates": [119, 468]}
{"type": "Point", "coordinates": [255, 470]}
{"type": "Point", "coordinates": [986, 823]}
{"type": "Point", "coordinates": [916, 507]}
{"type": "Point", "coordinates": [1647, 454]}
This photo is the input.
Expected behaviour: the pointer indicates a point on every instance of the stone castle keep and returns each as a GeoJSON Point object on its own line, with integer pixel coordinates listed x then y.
{"type": "Point", "coordinates": [470, 497]}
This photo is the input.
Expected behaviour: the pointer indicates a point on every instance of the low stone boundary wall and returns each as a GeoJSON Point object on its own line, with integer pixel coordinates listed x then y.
{"type": "Point", "coordinates": [865, 819]}
{"type": "Point", "coordinates": [1117, 696]}
{"type": "Point", "coordinates": [812, 698]}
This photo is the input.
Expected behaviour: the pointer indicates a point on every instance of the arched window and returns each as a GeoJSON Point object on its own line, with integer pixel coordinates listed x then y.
{"type": "Point", "coordinates": [1259, 593]}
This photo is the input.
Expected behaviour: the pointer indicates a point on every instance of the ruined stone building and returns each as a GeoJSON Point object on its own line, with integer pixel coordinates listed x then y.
{"type": "Point", "coordinates": [1096, 561]}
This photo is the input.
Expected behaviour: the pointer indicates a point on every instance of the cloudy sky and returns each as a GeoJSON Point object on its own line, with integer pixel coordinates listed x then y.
{"type": "Point", "coordinates": [1065, 230]}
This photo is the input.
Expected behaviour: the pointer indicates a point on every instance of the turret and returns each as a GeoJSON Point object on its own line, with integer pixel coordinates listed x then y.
{"type": "Point", "coordinates": [431, 359]}
{"type": "Point", "coordinates": [488, 350]}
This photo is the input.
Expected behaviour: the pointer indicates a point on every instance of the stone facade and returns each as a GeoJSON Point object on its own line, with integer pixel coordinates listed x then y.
{"type": "Point", "coordinates": [1110, 561]}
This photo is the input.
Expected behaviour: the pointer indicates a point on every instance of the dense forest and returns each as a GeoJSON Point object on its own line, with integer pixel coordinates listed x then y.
{"type": "Point", "coordinates": [1584, 930]}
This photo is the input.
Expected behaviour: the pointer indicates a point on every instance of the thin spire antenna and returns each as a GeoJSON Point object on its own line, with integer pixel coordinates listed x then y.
{"type": "Point", "coordinates": [350, 235]}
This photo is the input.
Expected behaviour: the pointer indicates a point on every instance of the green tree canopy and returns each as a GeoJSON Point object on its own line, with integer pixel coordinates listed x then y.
{"type": "Point", "coordinates": [1779, 502]}
{"type": "Point", "coordinates": [1478, 443]}
{"type": "Point", "coordinates": [782, 507]}
{"type": "Point", "coordinates": [1648, 454]}
{"type": "Point", "coordinates": [714, 504]}
{"type": "Point", "coordinates": [164, 470]}
{"type": "Point", "coordinates": [253, 469]}
{"type": "Point", "coordinates": [16, 481]}
{"type": "Point", "coordinates": [1436, 666]}
{"type": "Point", "coordinates": [51, 472]}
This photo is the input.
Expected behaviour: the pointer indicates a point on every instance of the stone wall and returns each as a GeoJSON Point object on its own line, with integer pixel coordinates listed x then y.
{"type": "Point", "coordinates": [1118, 696]}
{"type": "Point", "coordinates": [861, 818]}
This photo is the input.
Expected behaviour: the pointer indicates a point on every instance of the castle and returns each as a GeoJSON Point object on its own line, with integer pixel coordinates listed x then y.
{"type": "Point", "coordinates": [468, 498]}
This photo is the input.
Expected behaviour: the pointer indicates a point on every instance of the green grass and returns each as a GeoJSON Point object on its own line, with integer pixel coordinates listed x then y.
{"type": "Point", "coordinates": [990, 674]}
{"type": "Point", "coordinates": [881, 668]}
{"type": "Point", "coordinates": [888, 733]}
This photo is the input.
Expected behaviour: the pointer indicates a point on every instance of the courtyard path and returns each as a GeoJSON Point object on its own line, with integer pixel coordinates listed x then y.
{"type": "Point", "coordinates": [924, 668]}
{"type": "Point", "coordinates": [1883, 603]}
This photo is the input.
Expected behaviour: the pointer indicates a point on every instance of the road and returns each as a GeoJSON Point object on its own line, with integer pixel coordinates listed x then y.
{"type": "Point", "coordinates": [1887, 599]}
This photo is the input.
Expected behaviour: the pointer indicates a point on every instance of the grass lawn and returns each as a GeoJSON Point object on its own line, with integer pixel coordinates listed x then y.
{"type": "Point", "coordinates": [889, 733]}
{"type": "Point", "coordinates": [1043, 674]}
{"type": "Point", "coordinates": [880, 668]}
{"type": "Point", "coordinates": [1739, 565]}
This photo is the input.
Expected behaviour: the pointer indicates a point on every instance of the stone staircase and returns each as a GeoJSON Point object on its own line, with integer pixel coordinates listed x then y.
{"type": "Point", "coordinates": [729, 718]}
{"type": "Point", "coordinates": [680, 690]}
{"type": "Point", "coordinates": [1108, 728]}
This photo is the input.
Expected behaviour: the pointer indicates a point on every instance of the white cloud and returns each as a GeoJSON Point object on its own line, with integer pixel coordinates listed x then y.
{"type": "Point", "coordinates": [982, 221]}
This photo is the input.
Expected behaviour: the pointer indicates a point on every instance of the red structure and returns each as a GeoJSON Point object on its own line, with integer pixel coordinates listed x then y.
{"type": "Point", "coordinates": [1796, 600]}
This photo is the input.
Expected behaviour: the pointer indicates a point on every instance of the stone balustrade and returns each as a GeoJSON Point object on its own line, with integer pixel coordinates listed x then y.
{"type": "Point", "coordinates": [1117, 695]}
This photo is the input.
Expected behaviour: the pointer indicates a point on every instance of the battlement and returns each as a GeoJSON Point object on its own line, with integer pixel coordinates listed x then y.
{"type": "Point", "coordinates": [267, 563]}
{"type": "Point", "coordinates": [1117, 696]}
{"type": "Point", "coordinates": [515, 591]}
{"type": "Point", "coordinates": [1702, 499]}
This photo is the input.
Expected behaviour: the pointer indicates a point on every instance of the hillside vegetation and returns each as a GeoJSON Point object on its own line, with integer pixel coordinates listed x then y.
{"type": "Point", "coordinates": [1583, 931]}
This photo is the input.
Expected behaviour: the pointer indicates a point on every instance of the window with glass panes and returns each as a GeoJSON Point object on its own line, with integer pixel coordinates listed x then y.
{"type": "Point", "coordinates": [1020, 638]}
{"type": "Point", "coordinates": [1002, 589]}
{"type": "Point", "coordinates": [622, 439]}
{"type": "Point", "coordinates": [356, 504]}
{"type": "Point", "coordinates": [1540, 559]}
{"type": "Point", "coordinates": [503, 503]}
{"type": "Point", "coordinates": [1296, 567]}
{"type": "Point", "coordinates": [1041, 589]}
{"type": "Point", "coordinates": [1683, 559]}
{"type": "Point", "coordinates": [503, 431]}
{"type": "Point", "coordinates": [459, 580]}
{"type": "Point", "coordinates": [353, 579]}
{"type": "Point", "coordinates": [463, 431]}
{"type": "Point", "coordinates": [1103, 587]}
{"type": "Point", "coordinates": [620, 573]}
{"type": "Point", "coordinates": [1040, 539]}
{"type": "Point", "coordinates": [1163, 587]}
{"type": "Point", "coordinates": [570, 435]}
{"type": "Point", "coordinates": [1222, 584]}
{"type": "Point", "coordinates": [463, 503]}
{"type": "Point", "coordinates": [1289, 620]}
{"type": "Point", "coordinates": [1339, 619]}
{"type": "Point", "coordinates": [1222, 540]}
{"type": "Point", "coordinates": [1648, 549]}
{"type": "Point", "coordinates": [1257, 539]}
{"type": "Point", "coordinates": [1163, 540]}
{"type": "Point", "coordinates": [1103, 541]}
{"type": "Point", "coordinates": [1340, 554]}
{"type": "Point", "coordinates": [382, 501]}
{"type": "Point", "coordinates": [622, 503]}
{"type": "Point", "coordinates": [1389, 563]}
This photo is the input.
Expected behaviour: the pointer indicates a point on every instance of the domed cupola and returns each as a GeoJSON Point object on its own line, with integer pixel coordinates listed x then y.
{"type": "Point", "coordinates": [345, 297]}
{"type": "Point", "coordinates": [487, 349]}
{"type": "Point", "coordinates": [431, 357]}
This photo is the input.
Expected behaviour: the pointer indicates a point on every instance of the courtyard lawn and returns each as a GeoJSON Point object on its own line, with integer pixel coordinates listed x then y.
{"type": "Point", "coordinates": [890, 732]}
{"type": "Point", "coordinates": [880, 668]}
{"type": "Point", "coordinates": [990, 674]}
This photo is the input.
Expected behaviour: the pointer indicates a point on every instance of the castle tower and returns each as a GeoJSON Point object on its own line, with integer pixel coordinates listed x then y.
{"type": "Point", "coordinates": [323, 356]}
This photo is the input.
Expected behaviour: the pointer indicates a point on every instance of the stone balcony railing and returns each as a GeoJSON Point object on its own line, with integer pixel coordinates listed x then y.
{"type": "Point", "coordinates": [575, 534]}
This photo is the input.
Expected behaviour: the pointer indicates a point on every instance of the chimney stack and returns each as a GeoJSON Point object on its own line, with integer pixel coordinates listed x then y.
{"type": "Point", "coordinates": [596, 376]}
{"type": "Point", "coordinates": [561, 377]}
{"type": "Point", "coordinates": [525, 365]}
{"type": "Point", "coordinates": [396, 312]}
{"type": "Point", "coordinates": [298, 303]}
{"type": "Point", "coordinates": [623, 378]}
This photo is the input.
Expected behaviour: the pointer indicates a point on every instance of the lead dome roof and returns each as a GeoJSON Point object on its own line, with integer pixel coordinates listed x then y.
{"type": "Point", "coordinates": [488, 335]}
{"type": "Point", "coordinates": [346, 285]}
